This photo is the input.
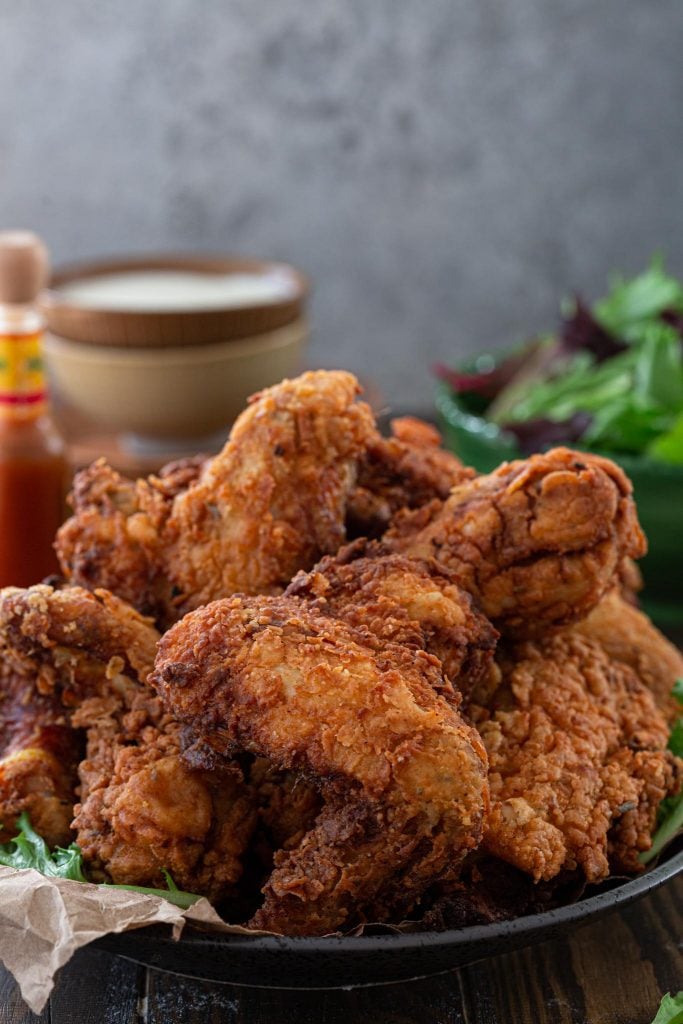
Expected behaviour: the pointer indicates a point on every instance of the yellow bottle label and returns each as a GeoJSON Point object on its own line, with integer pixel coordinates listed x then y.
{"type": "Point", "coordinates": [22, 374]}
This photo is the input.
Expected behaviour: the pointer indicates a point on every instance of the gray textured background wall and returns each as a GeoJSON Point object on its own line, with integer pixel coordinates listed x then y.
{"type": "Point", "coordinates": [444, 169]}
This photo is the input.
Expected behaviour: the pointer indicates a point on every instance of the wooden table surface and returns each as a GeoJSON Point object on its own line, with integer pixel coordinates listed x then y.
{"type": "Point", "coordinates": [611, 972]}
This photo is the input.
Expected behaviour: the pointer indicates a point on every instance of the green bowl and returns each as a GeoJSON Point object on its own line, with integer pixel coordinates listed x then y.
{"type": "Point", "coordinates": [658, 491]}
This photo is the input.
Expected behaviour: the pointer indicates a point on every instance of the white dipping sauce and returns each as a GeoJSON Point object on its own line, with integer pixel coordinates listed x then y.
{"type": "Point", "coordinates": [156, 291]}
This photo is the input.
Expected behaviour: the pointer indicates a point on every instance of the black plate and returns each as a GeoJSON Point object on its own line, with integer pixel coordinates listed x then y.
{"type": "Point", "coordinates": [273, 962]}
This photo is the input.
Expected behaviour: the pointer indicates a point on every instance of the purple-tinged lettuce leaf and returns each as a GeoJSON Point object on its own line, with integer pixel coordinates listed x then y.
{"type": "Point", "coordinates": [542, 433]}
{"type": "Point", "coordinates": [581, 331]}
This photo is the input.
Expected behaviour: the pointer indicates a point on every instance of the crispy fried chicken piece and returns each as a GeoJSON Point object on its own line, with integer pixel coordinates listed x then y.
{"type": "Point", "coordinates": [409, 601]}
{"type": "Point", "coordinates": [288, 804]}
{"type": "Point", "coordinates": [537, 543]}
{"type": "Point", "coordinates": [141, 809]}
{"type": "Point", "coordinates": [629, 636]}
{"type": "Point", "coordinates": [271, 503]}
{"type": "Point", "coordinates": [39, 755]}
{"type": "Point", "coordinates": [403, 776]}
{"type": "Point", "coordinates": [405, 470]}
{"type": "Point", "coordinates": [578, 760]}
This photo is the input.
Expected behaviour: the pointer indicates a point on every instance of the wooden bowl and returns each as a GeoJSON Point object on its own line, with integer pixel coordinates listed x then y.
{"type": "Point", "coordinates": [172, 393]}
{"type": "Point", "coordinates": [152, 328]}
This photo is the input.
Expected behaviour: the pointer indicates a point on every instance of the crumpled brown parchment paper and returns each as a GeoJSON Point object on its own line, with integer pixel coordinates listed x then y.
{"type": "Point", "coordinates": [43, 921]}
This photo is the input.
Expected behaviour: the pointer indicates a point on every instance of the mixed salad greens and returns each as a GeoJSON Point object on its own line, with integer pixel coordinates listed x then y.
{"type": "Point", "coordinates": [29, 850]}
{"type": "Point", "coordinates": [611, 379]}
{"type": "Point", "coordinates": [670, 819]}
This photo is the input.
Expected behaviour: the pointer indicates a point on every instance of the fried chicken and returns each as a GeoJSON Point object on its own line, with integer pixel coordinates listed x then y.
{"type": "Point", "coordinates": [404, 471]}
{"type": "Point", "coordinates": [39, 755]}
{"type": "Point", "coordinates": [402, 775]}
{"type": "Point", "coordinates": [629, 636]}
{"type": "Point", "coordinates": [578, 760]}
{"type": "Point", "coordinates": [271, 503]}
{"type": "Point", "coordinates": [141, 809]}
{"type": "Point", "coordinates": [537, 543]}
{"type": "Point", "coordinates": [409, 601]}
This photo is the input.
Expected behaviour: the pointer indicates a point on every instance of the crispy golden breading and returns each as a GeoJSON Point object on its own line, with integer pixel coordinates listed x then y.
{"type": "Point", "coordinates": [403, 776]}
{"type": "Point", "coordinates": [39, 755]}
{"type": "Point", "coordinates": [578, 760]}
{"type": "Point", "coordinates": [271, 503]}
{"type": "Point", "coordinates": [408, 601]}
{"type": "Point", "coordinates": [629, 636]}
{"type": "Point", "coordinates": [405, 470]}
{"type": "Point", "coordinates": [141, 809]}
{"type": "Point", "coordinates": [537, 543]}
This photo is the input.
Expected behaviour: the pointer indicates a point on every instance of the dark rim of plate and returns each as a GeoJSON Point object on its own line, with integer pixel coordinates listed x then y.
{"type": "Point", "coordinates": [620, 895]}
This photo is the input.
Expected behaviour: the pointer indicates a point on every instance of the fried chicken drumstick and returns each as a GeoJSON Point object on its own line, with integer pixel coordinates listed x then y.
{"type": "Point", "coordinates": [537, 543]}
{"type": "Point", "coordinates": [402, 775]}
{"type": "Point", "coordinates": [141, 809]}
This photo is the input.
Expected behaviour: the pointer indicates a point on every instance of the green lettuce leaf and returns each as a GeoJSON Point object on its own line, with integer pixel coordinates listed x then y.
{"type": "Point", "coordinates": [29, 850]}
{"type": "Point", "coordinates": [670, 1010]}
{"type": "Point", "coordinates": [669, 446]}
{"type": "Point", "coordinates": [670, 818]}
{"type": "Point", "coordinates": [644, 297]}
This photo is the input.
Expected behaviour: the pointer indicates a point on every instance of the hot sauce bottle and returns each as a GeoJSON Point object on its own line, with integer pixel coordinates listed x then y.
{"type": "Point", "coordinates": [33, 468]}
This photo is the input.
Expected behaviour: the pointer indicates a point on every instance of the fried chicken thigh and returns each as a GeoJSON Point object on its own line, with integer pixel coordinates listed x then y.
{"type": "Point", "coordinates": [578, 760]}
{"type": "Point", "coordinates": [402, 775]}
{"type": "Point", "coordinates": [630, 637]}
{"type": "Point", "coordinates": [141, 809]}
{"type": "Point", "coordinates": [537, 543]}
{"type": "Point", "coordinates": [271, 503]}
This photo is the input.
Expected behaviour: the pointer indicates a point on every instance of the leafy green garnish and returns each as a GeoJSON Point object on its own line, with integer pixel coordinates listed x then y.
{"type": "Point", "coordinates": [670, 810]}
{"type": "Point", "coordinates": [645, 297]}
{"type": "Point", "coordinates": [670, 1010]}
{"type": "Point", "coordinates": [615, 369]}
{"type": "Point", "coordinates": [669, 446]}
{"type": "Point", "coordinates": [29, 850]}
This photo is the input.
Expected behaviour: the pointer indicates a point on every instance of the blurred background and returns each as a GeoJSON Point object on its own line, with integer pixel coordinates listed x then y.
{"type": "Point", "coordinates": [444, 171]}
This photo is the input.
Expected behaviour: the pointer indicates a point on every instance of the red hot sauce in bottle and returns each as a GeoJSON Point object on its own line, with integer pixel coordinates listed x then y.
{"type": "Point", "coordinates": [33, 468]}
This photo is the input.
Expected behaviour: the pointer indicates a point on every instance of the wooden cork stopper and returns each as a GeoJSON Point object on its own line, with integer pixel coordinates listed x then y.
{"type": "Point", "coordinates": [24, 267]}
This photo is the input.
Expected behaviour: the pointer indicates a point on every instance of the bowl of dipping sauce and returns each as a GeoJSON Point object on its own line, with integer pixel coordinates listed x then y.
{"type": "Point", "coordinates": [170, 347]}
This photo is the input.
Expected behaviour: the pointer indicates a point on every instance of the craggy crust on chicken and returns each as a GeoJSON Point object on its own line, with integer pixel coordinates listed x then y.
{"type": "Point", "coordinates": [409, 601]}
{"type": "Point", "coordinates": [271, 503]}
{"type": "Point", "coordinates": [630, 637]}
{"type": "Point", "coordinates": [537, 543]}
{"type": "Point", "coordinates": [578, 760]}
{"type": "Point", "coordinates": [141, 809]}
{"type": "Point", "coordinates": [39, 755]}
{"type": "Point", "coordinates": [404, 471]}
{"type": "Point", "coordinates": [403, 776]}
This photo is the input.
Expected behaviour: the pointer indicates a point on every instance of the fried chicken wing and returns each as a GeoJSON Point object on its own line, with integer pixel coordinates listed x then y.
{"type": "Point", "coordinates": [578, 760]}
{"type": "Point", "coordinates": [402, 775]}
{"type": "Point", "coordinates": [141, 808]}
{"type": "Point", "coordinates": [629, 636]}
{"type": "Point", "coordinates": [406, 470]}
{"type": "Point", "coordinates": [271, 503]}
{"type": "Point", "coordinates": [537, 543]}
{"type": "Point", "coordinates": [409, 601]}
